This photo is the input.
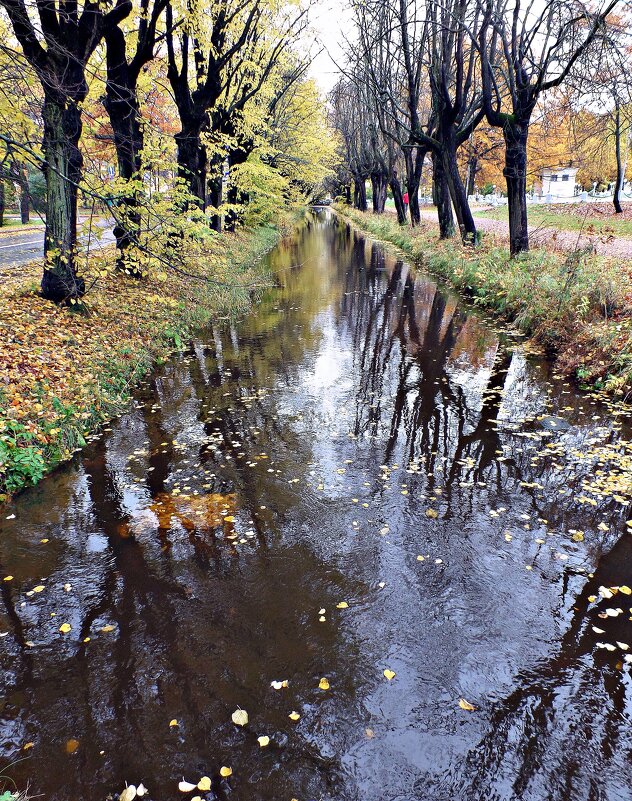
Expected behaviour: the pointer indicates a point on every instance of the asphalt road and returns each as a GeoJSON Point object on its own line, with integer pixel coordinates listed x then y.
{"type": "Point", "coordinates": [22, 247]}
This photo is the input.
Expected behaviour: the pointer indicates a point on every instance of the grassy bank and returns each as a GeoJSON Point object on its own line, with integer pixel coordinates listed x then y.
{"type": "Point", "coordinates": [578, 306]}
{"type": "Point", "coordinates": [587, 218]}
{"type": "Point", "coordinates": [65, 371]}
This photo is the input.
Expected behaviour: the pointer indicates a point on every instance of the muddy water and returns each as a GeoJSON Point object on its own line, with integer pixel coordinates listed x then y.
{"type": "Point", "coordinates": [361, 476]}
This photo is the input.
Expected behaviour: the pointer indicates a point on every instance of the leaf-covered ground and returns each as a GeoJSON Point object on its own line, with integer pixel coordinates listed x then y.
{"type": "Point", "coordinates": [64, 371]}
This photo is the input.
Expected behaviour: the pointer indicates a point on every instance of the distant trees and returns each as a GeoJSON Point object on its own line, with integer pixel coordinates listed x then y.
{"type": "Point", "coordinates": [429, 72]}
{"type": "Point", "coordinates": [199, 100]}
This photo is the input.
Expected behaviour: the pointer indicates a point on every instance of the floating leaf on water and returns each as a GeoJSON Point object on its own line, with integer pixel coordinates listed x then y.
{"type": "Point", "coordinates": [625, 590]}
{"type": "Point", "coordinates": [432, 513]}
{"type": "Point", "coordinates": [204, 785]}
{"type": "Point", "coordinates": [107, 628]}
{"type": "Point", "coordinates": [39, 588]}
{"type": "Point", "coordinates": [173, 723]}
{"type": "Point", "coordinates": [186, 787]}
{"type": "Point", "coordinates": [225, 772]}
{"type": "Point", "coordinates": [72, 745]}
{"type": "Point", "coordinates": [294, 716]}
{"type": "Point", "coordinates": [141, 790]}
{"type": "Point", "coordinates": [323, 684]}
{"type": "Point", "coordinates": [263, 741]}
{"type": "Point", "coordinates": [342, 605]}
{"type": "Point", "coordinates": [466, 705]}
{"type": "Point", "coordinates": [278, 685]}
{"type": "Point", "coordinates": [420, 558]}
{"type": "Point", "coordinates": [240, 717]}
{"type": "Point", "coordinates": [65, 628]}
{"type": "Point", "coordinates": [369, 733]}
{"type": "Point", "coordinates": [390, 674]}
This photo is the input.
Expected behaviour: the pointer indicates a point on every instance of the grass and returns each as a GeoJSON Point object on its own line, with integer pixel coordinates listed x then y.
{"type": "Point", "coordinates": [68, 370]}
{"type": "Point", "coordinates": [577, 305]}
{"type": "Point", "coordinates": [573, 217]}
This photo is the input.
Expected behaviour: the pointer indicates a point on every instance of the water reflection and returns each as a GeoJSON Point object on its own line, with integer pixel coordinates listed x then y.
{"type": "Point", "coordinates": [363, 437]}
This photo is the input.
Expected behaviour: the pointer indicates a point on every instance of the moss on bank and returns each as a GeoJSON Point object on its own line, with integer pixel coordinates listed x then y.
{"type": "Point", "coordinates": [65, 371]}
{"type": "Point", "coordinates": [577, 305]}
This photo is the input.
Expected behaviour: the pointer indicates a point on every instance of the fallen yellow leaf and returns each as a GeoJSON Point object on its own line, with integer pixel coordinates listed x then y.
{"type": "Point", "coordinates": [225, 772]}
{"type": "Point", "coordinates": [204, 785]}
{"type": "Point", "coordinates": [240, 717]}
{"type": "Point", "coordinates": [342, 605]}
{"type": "Point", "coordinates": [263, 740]}
{"type": "Point", "coordinates": [390, 674]}
{"type": "Point", "coordinates": [323, 684]}
{"type": "Point", "coordinates": [466, 705]}
{"type": "Point", "coordinates": [294, 716]}
{"type": "Point", "coordinates": [65, 628]}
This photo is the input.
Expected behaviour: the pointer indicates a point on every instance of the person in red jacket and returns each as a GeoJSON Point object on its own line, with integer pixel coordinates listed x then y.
{"type": "Point", "coordinates": [406, 199]}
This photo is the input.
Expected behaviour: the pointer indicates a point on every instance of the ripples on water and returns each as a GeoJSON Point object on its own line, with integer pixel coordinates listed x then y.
{"type": "Point", "coordinates": [309, 455]}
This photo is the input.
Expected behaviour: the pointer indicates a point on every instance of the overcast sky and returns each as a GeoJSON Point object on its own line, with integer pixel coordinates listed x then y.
{"type": "Point", "coordinates": [329, 19]}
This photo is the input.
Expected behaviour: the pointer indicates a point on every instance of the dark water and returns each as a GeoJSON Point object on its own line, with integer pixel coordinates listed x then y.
{"type": "Point", "coordinates": [306, 456]}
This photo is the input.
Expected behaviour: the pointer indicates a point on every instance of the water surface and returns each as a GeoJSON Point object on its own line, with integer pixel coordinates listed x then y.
{"type": "Point", "coordinates": [362, 475]}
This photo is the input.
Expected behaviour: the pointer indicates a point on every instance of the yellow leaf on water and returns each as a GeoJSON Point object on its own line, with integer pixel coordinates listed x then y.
{"type": "Point", "coordinates": [466, 705]}
{"type": "Point", "coordinates": [578, 536]}
{"type": "Point", "coordinates": [26, 746]}
{"type": "Point", "coordinates": [342, 605]}
{"type": "Point", "coordinates": [65, 628]}
{"type": "Point", "coordinates": [204, 785]}
{"type": "Point", "coordinates": [323, 684]}
{"type": "Point", "coordinates": [225, 772]}
{"type": "Point", "coordinates": [432, 513]}
{"type": "Point", "coordinates": [8, 578]}
{"type": "Point", "coordinates": [390, 674]}
{"type": "Point", "coordinates": [39, 588]}
{"type": "Point", "coordinates": [186, 787]}
{"type": "Point", "coordinates": [263, 740]}
{"type": "Point", "coordinates": [107, 628]}
{"type": "Point", "coordinates": [230, 518]}
{"type": "Point", "coordinates": [625, 590]}
{"type": "Point", "coordinates": [294, 716]}
{"type": "Point", "coordinates": [173, 723]}
{"type": "Point", "coordinates": [240, 717]}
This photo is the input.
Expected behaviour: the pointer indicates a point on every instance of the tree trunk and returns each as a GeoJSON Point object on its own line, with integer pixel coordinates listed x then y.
{"type": "Point", "coordinates": [1, 203]}
{"type": "Point", "coordinates": [63, 164]}
{"type": "Point", "coordinates": [472, 169]}
{"type": "Point", "coordinates": [348, 194]}
{"type": "Point", "coordinates": [458, 194]}
{"type": "Point", "coordinates": [441, 192]}
{"type": "Point", "coordinates": [616, 198]}
{"type": "Point", "coordinates": [192, 163]}
{"type": "Point", "coordinates": [378, 184]}
{"type": "Point", "coordinates": [398, 197]}
{"type": "Point", "coordinates": [25, 197]}
{"type": "Point", "coordinates": [414, 166]}
{"type": "Point", "coordinates": [360, 193]}
{"type": "Point", "coordinates": [121, 104]}
{"type": "Point", "coordinates": [515, 172]}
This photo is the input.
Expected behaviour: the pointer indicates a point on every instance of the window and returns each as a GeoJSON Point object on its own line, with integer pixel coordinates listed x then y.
{"type": "Point", "coordinates": [554, 179]}
{"type": "Point", "coordinates": [565, 177]}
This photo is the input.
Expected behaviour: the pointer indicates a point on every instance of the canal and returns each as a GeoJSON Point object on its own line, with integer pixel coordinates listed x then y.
{"type": "Point", "coordinates": [365, 516]}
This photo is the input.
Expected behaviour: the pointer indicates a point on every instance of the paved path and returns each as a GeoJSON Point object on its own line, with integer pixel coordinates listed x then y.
{"type": "Point", "coordinates": [21, 254]}
{"type": "Point", "coordinates": [618, 247]}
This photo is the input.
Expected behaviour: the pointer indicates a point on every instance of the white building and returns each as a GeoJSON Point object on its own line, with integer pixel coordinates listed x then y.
{"type": "Point", "coordinates": [557, 181]}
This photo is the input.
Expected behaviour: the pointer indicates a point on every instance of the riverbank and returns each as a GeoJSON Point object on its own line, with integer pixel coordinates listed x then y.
{"type": "Point", "coordinates": [578, 306]}
{"type": "Point", "coordinates": [67, 371]}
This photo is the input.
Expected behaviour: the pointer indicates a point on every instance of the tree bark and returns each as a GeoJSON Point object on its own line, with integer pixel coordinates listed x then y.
{"type": "Point", "coordinates": [414, 166]}
{"type": "Point", "coordinates": [467, 226]}
{"type": "Point", "coordinates": [472, 169]}
{"type": "Point", "coordinates": [616, 198]}
{"type": "Point", "coordinates": [63, 165]}
{"type": "Point", "coordinates": [1, 203]}
{"type": "Point", "coordinates": [359, 194]}
{"type": "Point", "coordinates": [515, 172]}
{"type": "Point", "coordinates": [121, 104]}
{"type": "Point", "coordinates": [441, 192]}
{"type": "Point", "coordinates": [25, 197]}
{"type": "Point", "coordinates": [378, 184]}
{"type": "Point", "coordinates": [398, 197]}
{"type": "Point", "coordinates": [193, 162]}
